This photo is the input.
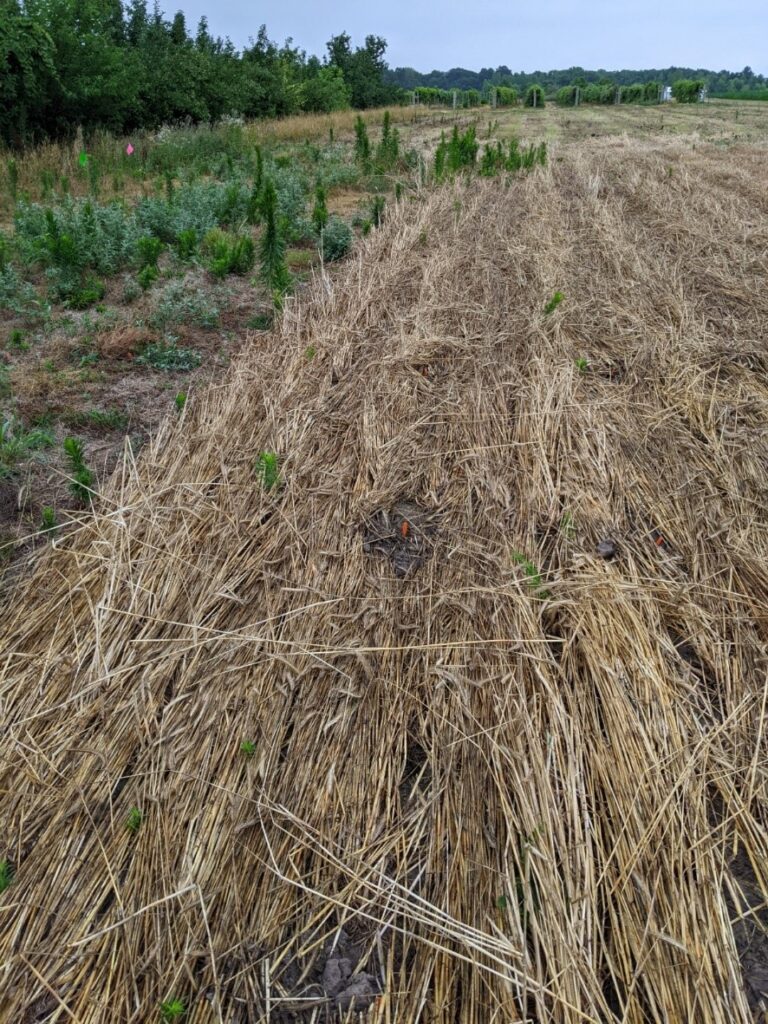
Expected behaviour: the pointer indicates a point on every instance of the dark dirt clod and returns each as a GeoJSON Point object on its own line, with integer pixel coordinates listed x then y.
{"type": "Point", "coordinates": [607, 548]}
{"type": "Point", "coordinates": [329, 987]}
{"type": "Point", "coordinates": [344, 987]}
{"type": "Point", "coordinates": [750, 933]}
{"type": "Point", "coordinates": [361, 991]}
{"type": "Point", "coordinates": [9, 500]}
{"type": "Point", "coordinates": [402, 533]}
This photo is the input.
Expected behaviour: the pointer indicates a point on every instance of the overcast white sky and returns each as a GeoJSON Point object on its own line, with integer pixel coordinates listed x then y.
{"type": "Point", "coordinates": [533, 35]}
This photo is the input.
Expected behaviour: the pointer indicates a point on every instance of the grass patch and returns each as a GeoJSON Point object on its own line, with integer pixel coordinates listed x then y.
{"type": "Point", "coordinates": [107, 419]}
{"type": "Point", "coordinates": [300, 259]}
{"type": "Point", "coordinates": [166, 355]}
{"type": "Point", "coordinates": [17, 443]}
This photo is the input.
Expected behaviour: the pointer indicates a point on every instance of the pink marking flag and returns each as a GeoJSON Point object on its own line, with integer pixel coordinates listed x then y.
{"type": "Point", "coordinates": [129, 149]}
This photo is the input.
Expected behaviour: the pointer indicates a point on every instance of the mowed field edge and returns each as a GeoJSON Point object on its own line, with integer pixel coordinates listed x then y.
{"type": "Point", "coordinates": [488, 774]}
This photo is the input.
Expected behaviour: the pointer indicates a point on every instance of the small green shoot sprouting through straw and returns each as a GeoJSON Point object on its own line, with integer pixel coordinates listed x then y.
{"type": "Point", "coordinates": [533, 576]}
{"type": "Point", "coordinates": [267, 470]}
{"type": "Point", "coordinates": [173, 1009]}
{"type": "Point", "coordinates": [6, 874]}
{"type": "Point", "coordinates": [134, 820]}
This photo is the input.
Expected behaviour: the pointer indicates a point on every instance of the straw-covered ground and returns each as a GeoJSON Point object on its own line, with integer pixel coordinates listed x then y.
{"type": "Point", "coordinates": [464, 720]}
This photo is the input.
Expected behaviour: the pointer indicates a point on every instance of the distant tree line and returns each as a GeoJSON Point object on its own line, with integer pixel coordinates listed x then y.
{"type": "Point", "coordinates": [69, 64]}
{"type": "Point", "coordinates": [716, 82]}
{"type": "Point", "coordinates": [66, 64]}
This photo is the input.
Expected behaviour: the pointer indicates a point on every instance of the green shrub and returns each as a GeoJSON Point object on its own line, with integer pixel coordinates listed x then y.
{"type": "Point", "coordinates": [76, 236]}
{"type": "Point", "coordinates": [320, 209]}
{"type": "Point", "coordinates": [82, 477]}
{"type": "Point", "coordinates": [527, 157]}
{"type": "Point", "coordinates": [292, 188]}
{"type": "Point", "coordinates": [199, 206]}
{"type": "Point", "coordinates": [186, 244]}
{"type": "Point", "coordinates": [147, 277]}
{"type": "Point", "coordinates": [458, 154]}
{"type": "Point", "coordinates": [148, 250]}
{"type": "Point", "coordinates": [229, 254]}
{"type": "Point", "coordinates": [493, 160]}
{"type": "Point", "coordinates": [388, 152]}
{"type": "Point", "coordinates": [274, 272]}
{"type": "Point", "coordinates": [378, 205]}
{"type": "Point", "coordinates": [336, 240]}
{"type": "Point", "coordinates": [362, 143]}
{"type": "Point", "coordinates": [88, 293]}
{"type": "Point", "coordinates": [534, 96]}
{"type": "Point", "coordinates": [687, 90]}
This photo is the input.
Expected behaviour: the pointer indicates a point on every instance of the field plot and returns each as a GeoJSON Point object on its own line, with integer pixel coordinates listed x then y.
{"type": "Point", "coordinates": [417, 670]}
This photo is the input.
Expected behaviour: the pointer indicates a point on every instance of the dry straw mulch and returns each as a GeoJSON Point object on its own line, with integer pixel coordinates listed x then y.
{"type": "Point", "coordinates": [509, 779]}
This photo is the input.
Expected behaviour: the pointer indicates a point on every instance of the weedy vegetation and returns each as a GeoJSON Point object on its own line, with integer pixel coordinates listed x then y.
{"type": "Point", "coordinates": [82, 477]}
{"type": "Point", "coordinates": [18, 443]}
{"type": "Point", "coordinates": [169, 356]}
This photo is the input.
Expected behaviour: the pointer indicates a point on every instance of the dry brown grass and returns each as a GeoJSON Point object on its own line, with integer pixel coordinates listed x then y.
{"type": "Point", "coordinates": [316, 126]}
{"type": "Point", "coordinates": [505, 803]}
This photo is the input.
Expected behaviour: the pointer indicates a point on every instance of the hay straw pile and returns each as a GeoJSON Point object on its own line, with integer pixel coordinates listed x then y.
{"type": "Point", "coordinates": [495, 776]}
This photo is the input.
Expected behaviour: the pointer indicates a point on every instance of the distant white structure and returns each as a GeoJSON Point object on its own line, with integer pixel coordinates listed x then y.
{"type": "Point", "coordinates": [703, 95]}
{"type": "Point", "coordinates": [666, 95]}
